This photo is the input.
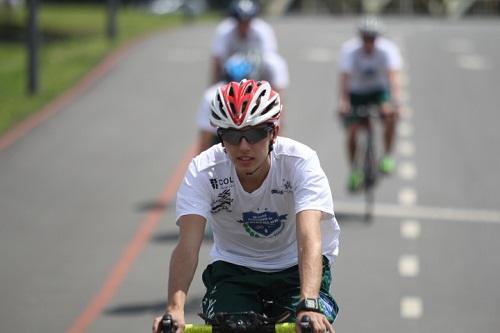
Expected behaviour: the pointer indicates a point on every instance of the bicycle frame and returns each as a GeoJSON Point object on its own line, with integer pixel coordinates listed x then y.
{"type": "Point", "coordinates": [368, 154]}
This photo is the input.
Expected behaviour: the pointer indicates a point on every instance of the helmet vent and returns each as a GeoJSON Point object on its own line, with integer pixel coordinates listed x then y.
{"type": "Point", "coordinates": [248, 89]}
{"type": "Point", "coordinates": [269, 107]}
{"type": "Point", "coordinates": [244, 106]}
{"type": "Point", "coordinates": [231, 91]}
{"type": "Point", "coordinates": [215, 116]}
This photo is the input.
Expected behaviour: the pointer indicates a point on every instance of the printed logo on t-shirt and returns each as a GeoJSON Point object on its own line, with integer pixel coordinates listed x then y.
{"type": "Point", "coordinates": [223, 202]}
{"type": "Point", "coordinates": [221, 182]}
{"type": "Point", "coordinates": [264, 224]}
{"type": "Point", "coordinates": [285, 188]}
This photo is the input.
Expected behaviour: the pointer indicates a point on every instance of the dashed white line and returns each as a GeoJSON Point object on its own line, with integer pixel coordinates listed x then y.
{"type": "Point", "coordinates": [407, 113]}
{"type": "Point", "coordinates": [407, 170]}
{"type": "Point", "coordinates": [406, 148]}
{"type": "Point", "coordinates": [410, 229]}
{"type": "Point", "coordinates": [407, 197]}
{"type": "Point", "coordinates": [405, 97]}
{"type": "Point", "coordinates": [459, 45]}
{"type": "Point", "coordinates": [408, 265]}
{"type": "Point", "coordinates": [320, 55]}
{"type": "Point", "coordinates": [449, 214]}
{"type": "Point", "coordinates": [472, 62]}
{"type": "Point", "coordinates": [405, 79]}
{"type": "Point", "coordinates": [405, 129]}
{"type": "Point", "coordinates": [411, 307]}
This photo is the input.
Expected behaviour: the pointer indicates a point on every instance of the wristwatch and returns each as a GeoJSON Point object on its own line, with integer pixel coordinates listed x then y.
{"type": "Point", "coordinates": [308, 304]}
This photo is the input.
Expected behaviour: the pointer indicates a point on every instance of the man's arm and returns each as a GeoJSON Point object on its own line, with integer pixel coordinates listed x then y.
{"type": "Point", "coordinates": [395, 87]}
{"type": "Point", "coordinates": [311, 264]}
{"type": "Point", "coordinates": [183, 264]}
{"type": "Point", "coordinates": [344, 103]}
{"type": "Point", "coordinates": [216, 70]}
{"type": "Point", "coordinates": [310, 257]}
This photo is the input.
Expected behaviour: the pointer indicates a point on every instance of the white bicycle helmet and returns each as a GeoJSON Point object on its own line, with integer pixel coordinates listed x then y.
{"type": "Point", "coordinates": [245, 103]}
{"type": "Point", "coordinates": [370, 26]}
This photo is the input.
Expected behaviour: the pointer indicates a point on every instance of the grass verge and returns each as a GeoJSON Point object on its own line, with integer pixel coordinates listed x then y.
{"type": "Point", "coordinates": [73, 42]}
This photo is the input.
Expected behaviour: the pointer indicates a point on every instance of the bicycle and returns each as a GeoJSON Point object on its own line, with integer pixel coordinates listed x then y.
{"type": "Point", "coordinates": [366, 158]}
{"type": "Point", "coordinates": [240, 322]}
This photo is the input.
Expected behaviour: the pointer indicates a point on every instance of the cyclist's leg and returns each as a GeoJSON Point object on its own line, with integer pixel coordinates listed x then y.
{"type": "Point", "coordinates": [285, 293]}
{"type": "Point", "coordinates": [389, 118]}
{"type": "Point", "coordinates": [230, 288]}
{"type": "Point", "coordinates": [353, 124]}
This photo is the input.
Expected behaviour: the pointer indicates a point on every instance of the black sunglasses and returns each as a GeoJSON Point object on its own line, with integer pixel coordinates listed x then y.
{"type": "Point", "coordinates": [368, 38]}
{"type": "Point", "coordinates": [252, 134]}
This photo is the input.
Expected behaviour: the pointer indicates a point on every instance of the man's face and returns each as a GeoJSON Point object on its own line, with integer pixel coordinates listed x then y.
{"type": "Point", "coordinates": [368, 43]}
{"type": "Point", "coordinates": [243, 27]}
{"type": "Point", "coordinates": [248, 148]}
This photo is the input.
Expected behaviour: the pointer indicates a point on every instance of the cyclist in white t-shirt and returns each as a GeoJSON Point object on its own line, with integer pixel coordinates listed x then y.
{"type": "Point", "coordinates": [270, 207]}
{"type": "Point", "coordinates": [240, 66]}
{"type": "Point", "coordinates": [370, 67]}
{"type": "Point", "coordinates": [241, 32]}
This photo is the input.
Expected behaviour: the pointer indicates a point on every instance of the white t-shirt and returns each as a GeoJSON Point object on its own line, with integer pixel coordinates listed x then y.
{"type": "Point", "coordinates": [257, 229]}
{"type": "Point", "coordinates": [368, 72]}
{"type": "Point", "coordinates": [227, 40]}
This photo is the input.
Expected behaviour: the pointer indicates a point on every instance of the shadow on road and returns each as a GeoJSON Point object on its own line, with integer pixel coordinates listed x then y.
{"type": "Point", "coordinates": [172, 237]}
{"type": "Point", "coordinates": [153, 205]}
{"type": "Point", "coordinates": [352, 217]}
{"type": "Point", "coordinates": [192, 306]}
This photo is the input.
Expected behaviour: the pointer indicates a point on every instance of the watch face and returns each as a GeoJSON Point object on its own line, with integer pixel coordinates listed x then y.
{"type": "Point", "coordinates": [310, 303]}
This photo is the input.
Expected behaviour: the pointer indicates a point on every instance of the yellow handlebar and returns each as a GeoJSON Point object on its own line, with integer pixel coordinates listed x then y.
{"type": "Point", "coordinates": [203, 328]}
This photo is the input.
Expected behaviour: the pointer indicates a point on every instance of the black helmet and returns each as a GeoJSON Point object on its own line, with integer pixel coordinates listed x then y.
{"type": "Point", "coordinates": [244, 9]}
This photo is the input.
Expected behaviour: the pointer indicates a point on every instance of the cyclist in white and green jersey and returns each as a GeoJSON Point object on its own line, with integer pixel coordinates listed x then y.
{"type": "Point", "coordinates": [270, 207]}
{"type": "Point", "coordinates": [370, 67]}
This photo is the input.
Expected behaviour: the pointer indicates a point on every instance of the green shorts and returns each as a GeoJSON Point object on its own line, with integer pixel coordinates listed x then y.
{"type": "Point", "coordinates": [377, 97]}
{"type": "Point", "coordinates": [233, 288]}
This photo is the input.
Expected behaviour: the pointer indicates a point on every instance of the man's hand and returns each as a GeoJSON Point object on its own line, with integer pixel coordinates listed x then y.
{"type": "Point", "coordinates": [344, 107]}
{"type": "Point", "coordinates": [318, 321]}
{"type": "Point", "coordinates": [177, 319]}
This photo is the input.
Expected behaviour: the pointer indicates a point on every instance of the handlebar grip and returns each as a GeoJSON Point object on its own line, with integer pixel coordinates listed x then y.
{"type": "Point", "coordinates": [167, 324]}
{"type": "Point", "coordinates": [305, 325]}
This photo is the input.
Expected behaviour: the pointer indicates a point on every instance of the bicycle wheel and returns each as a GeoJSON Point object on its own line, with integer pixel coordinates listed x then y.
{"type": "Point", "coordinates": [370, 171]}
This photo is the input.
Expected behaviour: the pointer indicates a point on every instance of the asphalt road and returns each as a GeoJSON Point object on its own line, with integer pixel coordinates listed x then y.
{"type": "Point", "coordinates": [86, 222]}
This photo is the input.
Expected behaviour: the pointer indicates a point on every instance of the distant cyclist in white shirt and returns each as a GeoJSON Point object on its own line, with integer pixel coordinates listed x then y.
{"type": "Point", "coordinates": [240, 66]}
{"type": "Point", "coordinates": [370, 67]}
{"type": "Point", "coordinates": [270, 207]}
{"type": "Point", "coordinates": [242, 32]}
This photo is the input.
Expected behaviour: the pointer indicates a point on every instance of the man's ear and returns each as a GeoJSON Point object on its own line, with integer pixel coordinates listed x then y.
{"type": "Point", "coordinates": [276, 130]}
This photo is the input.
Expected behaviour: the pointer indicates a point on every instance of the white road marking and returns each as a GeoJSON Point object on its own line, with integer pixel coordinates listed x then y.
{"type": "Point", "coordinates": [407, 113]}
{"type": "Point", "coordinates": [407, 170]}
{"type": "Point", "coordinates": [422, 213]}
{"type": "Point", "coordinates": [472, 62]}
{"type": "Point", "coordinates": [405, 97]}
{"type": "Point", "coordinates": [410, 229]}
{"type": "Point", "coordinates": [459, 45]}
{"type": "Point", "coordinates": [407, 197]}
{"type": "Point", "coordinates": [405, 79]}
{"type": "Point", "coordinates": [408, 265]}
{"type": "Point", "coordinates": [321, 55]}
{"type": "Point", "coordinates": [405, 129]}
{"type": "Point", "coordinates": [406, 148]}
{"type": "Point", "coordinates": [411, 307]}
